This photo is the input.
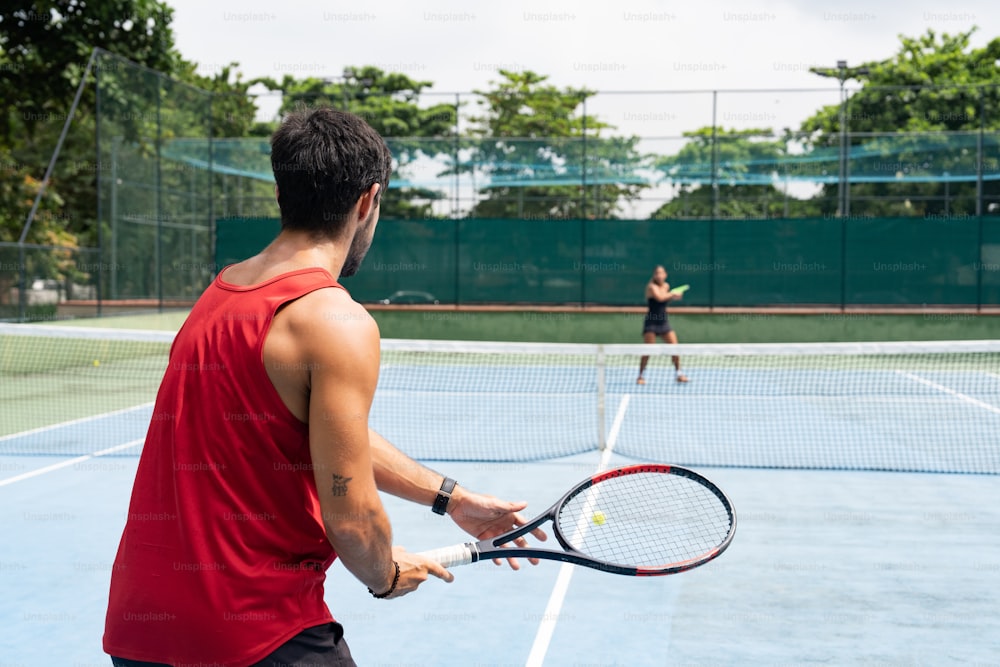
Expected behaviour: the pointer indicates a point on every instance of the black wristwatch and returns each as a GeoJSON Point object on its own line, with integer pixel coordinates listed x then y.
{"type": "Point", "coordinates": [444, 495]}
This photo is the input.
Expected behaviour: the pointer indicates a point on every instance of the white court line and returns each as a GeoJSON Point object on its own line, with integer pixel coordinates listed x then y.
{"type": "Point", "coordinates": [63, 464]}
{"type": "Point", "coordinates": [548, 625]}
{"type": "Point", "coordinates": [951, 392]}
{"type": "Point", "coordinates": [73, 422]}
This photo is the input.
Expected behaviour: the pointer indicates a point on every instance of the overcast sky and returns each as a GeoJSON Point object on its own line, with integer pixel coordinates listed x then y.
{"type": "Point", "coordinates": [621, 45]}
{"type": "Point", "coordinates": [624, 45]}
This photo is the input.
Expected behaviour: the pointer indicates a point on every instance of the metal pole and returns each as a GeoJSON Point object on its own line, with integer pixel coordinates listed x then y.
{"type": "Point", "coordinates": [583, 163]}
{"type": "Point", "coordinates": [715, 157]}
{"type": "Point", "coordinates": [847, 162]}
{"type": "Point", "coordinates": [159, 198]}
{"type": "Point", "coordinates": [22, 292]}
{"type": "Point", "coordinates": [211, 185]}
{"type": "Point", "coordinates": [115, 143]}
{"type": "Point", "coordinates": [979, 154]}
{"type": "Point", "coordinates": [979, 273]}
{"type": "Point", "coordinates": [715, 202]}
{"type": "Point", "coordinates": [458, 180]}
{"type": "Point", "coordinates": [843, 142]}
{"type": "Point", "coordinates": [99, 179]}
{"type": "Point", "coordinates": [55, 154]}
{"type": "Point", "coordinates": [583, 212]}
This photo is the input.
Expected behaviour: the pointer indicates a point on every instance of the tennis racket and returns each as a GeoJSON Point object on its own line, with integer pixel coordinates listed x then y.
{"type": "Point", "coordinates": [640, 520]}
{"type": "Point", "coordinates": [680, 289]}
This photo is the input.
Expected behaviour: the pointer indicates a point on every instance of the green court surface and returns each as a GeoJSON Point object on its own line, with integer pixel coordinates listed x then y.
{"type": "Point", "coordinates": [735, 327]}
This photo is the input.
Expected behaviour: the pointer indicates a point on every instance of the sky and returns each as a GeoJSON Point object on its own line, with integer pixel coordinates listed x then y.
{"type": "Point", "coordinates": [654, 63]}
{"type": "Point", "coordinates": [624, 45]}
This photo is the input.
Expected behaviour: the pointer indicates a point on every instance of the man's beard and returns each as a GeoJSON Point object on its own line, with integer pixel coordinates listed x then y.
{"type": "Point", "coordinates": [359, 248]}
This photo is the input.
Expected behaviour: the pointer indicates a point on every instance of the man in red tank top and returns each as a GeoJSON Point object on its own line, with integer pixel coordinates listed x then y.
{"type": "Point", "coordinates": [259, 468]}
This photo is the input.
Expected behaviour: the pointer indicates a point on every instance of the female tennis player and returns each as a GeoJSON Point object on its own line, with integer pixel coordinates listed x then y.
{"type": "Point", "coordinates": [656, 323]}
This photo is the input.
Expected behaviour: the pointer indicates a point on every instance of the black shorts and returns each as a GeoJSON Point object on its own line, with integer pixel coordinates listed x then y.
{"type": "Point", "coordinates": [660, 328]}
{"type": "Point", "coordinates": [319, 646]}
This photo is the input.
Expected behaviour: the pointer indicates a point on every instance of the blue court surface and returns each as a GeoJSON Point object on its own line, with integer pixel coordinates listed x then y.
{"type": "Point", "coordinates": [827, 567]}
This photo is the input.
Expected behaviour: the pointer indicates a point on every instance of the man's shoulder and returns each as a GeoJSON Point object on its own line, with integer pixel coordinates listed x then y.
{"type": "Point", "coordinates": [330, 314]}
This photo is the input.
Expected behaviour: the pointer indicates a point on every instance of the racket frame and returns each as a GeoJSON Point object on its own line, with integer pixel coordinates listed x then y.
{"type": "Point", "coordinates": [471, 552]}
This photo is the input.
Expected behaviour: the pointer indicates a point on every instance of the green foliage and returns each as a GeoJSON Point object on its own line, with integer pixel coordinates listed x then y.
{"type": "Point", "coordinates": [390, 103]}
{"type": "Point", "coordinates": [937, 86]}
{"type": "Point", "coordinates": [44, 49]}
{"type": "Point", "coordinates": [537, 149]}
{"type": "Point", "coordinates": [46, 46]}
{"type": "Point", "coordinates": [18, 189]}
{"type": "Point", "coordinates": [747, 165]}
{"type": "Point", "coordinates": [234, 112]}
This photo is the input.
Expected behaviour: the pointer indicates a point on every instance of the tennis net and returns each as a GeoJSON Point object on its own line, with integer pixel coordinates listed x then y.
{"type": "Point", "coordinates": [913, 406]}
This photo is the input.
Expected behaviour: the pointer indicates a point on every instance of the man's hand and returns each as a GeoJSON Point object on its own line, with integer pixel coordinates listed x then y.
{"type": "Point", "coordinates": [485, 516]}
{"type": "Point", "coordinates": [413, 571]}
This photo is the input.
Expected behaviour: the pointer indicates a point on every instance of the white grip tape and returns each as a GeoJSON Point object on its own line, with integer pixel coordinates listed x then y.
{"type": "Point", "coordinates": [458, 554]}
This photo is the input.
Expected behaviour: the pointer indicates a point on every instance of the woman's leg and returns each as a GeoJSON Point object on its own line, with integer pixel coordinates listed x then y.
{"type": "Point", "coordinates": [671, 337]}
{"type": "Point", "coordinates": [650, 338]}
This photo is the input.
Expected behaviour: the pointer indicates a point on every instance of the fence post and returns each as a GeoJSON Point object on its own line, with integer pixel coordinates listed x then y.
{"type": "Point", "coordinates": [22, 291]}
{"type": "Point", "coordinates": [843, 263]}
{"type": "Point", "coordinates": [715, 202]}
{"type": "Point", "coordinates": [99, 271]}
{"type": "Point", "coordinates": [979, 154]}
{"type": "Point", "coordinates": [979, 269]}
{"type": "Point", "coordinates": [456, 202]}
{"type": "Point", "coordinates": [583, 210]}
{"type": "Point", "coordinates": [159, 194]}
{"type": "Point", "coordinates": [715, 157]}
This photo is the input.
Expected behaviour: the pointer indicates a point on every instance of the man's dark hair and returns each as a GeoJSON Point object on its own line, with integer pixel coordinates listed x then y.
{"type": "Point", "coordinates": [323, 161]}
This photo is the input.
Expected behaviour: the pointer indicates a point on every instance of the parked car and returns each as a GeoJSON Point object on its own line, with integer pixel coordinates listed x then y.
{"type": "Point", "coordinates": [409, 297]}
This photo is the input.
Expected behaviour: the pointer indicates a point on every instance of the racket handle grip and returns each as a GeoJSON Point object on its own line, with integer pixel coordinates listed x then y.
{"type": "Point", "coordinates": [458, 554]}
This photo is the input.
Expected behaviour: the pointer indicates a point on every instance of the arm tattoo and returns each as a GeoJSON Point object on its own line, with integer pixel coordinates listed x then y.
{"type": "Point", "coordinates": [340, 485]}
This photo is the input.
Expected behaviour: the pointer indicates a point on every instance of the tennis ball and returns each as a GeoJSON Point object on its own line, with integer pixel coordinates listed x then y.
{"type": "Point", "coordinates": [598, 518]}
{"type": "Point", "coordinates": [97, 362]}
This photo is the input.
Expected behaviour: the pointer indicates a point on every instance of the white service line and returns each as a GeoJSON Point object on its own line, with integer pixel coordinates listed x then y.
{"type": "Point", "coordinates": [69, 462]}
{"type": "Point", "coordinates": [951, 392]}
{"type": "Point", "coordinates": [73, 422]}
{"type": "Point", "coordinates": [548, 624]}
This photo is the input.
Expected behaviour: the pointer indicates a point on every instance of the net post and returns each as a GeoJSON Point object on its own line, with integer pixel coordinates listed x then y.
{"type": "Point", "coordinates": [602, 440]}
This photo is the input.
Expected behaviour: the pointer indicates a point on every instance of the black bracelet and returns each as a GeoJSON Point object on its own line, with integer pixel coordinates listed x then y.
{"type": "Point", "coordinates": [440, 505]}
{"type": "Point", "coordinates": [395, 580]}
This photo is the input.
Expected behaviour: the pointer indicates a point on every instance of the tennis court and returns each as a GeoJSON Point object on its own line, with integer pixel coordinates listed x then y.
{"type": "Point", "coordinates": [836, 560]}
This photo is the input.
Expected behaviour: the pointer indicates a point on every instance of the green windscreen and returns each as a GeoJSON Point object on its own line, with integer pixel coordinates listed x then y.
{"type": "Point", "coordinates": [953, 261]}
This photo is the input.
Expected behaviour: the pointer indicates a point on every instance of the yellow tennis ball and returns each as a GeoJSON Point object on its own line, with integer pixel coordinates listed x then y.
{"type": "Point", "coordinates": [598, 518]}
{"type": "Point", "coordinates": [97, 362]}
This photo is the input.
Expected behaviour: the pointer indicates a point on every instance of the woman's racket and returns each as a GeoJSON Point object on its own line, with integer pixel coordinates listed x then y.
{"type": "Point", "coordinates": [680, 289]}
{"type": "Point", "coordinates": [640, 520]}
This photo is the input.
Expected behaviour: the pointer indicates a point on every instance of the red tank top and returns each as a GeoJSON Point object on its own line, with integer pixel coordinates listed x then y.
{"type": "Point", "coordinates": [224, 554]}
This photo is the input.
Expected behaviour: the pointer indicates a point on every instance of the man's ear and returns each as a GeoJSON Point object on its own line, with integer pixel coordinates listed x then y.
{"type": "Point", "coordinates": [368, 201]}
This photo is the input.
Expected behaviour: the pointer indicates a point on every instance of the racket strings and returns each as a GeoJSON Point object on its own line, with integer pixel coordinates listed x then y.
{"type": "Point", "coordinates": [645, 519]}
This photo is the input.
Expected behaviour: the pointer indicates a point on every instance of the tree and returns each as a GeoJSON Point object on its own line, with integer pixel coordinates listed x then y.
{"type": "Point", "coordinates": [44, 49]}
{"type": "Point", "coordinates": [748, 164]}
{"type": "Point", "coordinates": [390, 103]}
{"type": "Point", "coordinates": [532, 144]}
{"type": "Point", "coordinates": [917, 117]}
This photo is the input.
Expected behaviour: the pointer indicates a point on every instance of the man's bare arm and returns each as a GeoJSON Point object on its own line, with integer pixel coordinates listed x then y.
{"type": "Point", "coordinates": [399, 475]}
{"type": "Point", "coordinates": [480, 515]}
{"type": "Point", "coordinates": [342, 355]}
